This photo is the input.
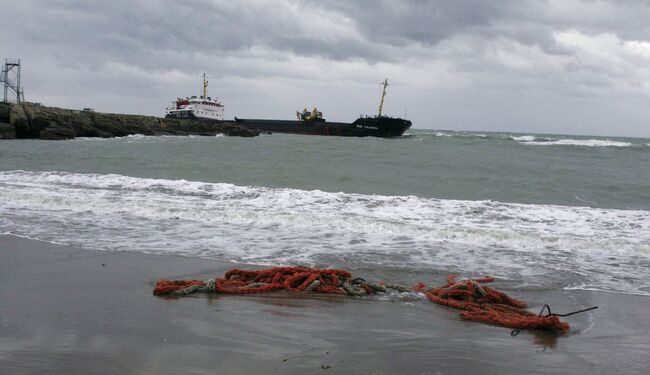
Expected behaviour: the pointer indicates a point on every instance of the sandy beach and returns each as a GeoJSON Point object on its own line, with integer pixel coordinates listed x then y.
{"type": "Point", "coordinates": [75, 311]}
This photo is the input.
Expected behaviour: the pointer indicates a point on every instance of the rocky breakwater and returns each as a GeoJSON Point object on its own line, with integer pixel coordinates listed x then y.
{"type": "Point", "coordinates": [30, 120]}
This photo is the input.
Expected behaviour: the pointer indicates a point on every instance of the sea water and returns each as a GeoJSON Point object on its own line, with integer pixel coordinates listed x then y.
{"type": "Point", "coordinates": [538, 211]}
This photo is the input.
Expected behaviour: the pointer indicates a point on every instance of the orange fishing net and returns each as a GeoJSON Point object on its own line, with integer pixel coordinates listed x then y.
{"type": "Point", "coordinates": [478, 302]}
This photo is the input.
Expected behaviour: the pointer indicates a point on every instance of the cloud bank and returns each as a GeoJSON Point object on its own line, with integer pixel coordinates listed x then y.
{"type": "Point", "coordinates": [580, 67]}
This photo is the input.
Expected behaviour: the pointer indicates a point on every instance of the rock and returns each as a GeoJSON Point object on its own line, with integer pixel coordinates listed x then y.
{"type": "Point", "coordinates": [242, 132]}
{"type": "Point", "coordinates": [4, 112]}
{"type": "Point", "coordinates": [57, 132]}
{"type": "Point", "coordinates": [30, 120]}
{"type": "Point", "coordinates": [83, 126]}
{"type": "Point", "coordinates": [7, 131]}
{"type": "Point", "coordinates": [19, 120]}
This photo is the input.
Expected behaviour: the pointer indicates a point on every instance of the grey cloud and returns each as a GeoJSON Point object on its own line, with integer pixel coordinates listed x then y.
{"type": "Point", "coordinates": [122, 48]}
{"type": "Point", "coordinates": [426, 22]}
{"type": "Point", "coordinates": [128, 30]}
{"type": "Point", "coordinates": [530, 22]}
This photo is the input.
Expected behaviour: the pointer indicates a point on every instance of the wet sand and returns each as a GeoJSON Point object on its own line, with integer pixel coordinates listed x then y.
{"type": "Point", "coordinates": [65, 310]}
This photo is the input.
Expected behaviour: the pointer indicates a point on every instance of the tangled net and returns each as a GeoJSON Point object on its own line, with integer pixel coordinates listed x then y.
{"type": "Point", "coordinates": [293, 279]}
{"type": "Point", "coordinates": [488, 305]}
{"type": "Point", "coordinates": [480, 303]}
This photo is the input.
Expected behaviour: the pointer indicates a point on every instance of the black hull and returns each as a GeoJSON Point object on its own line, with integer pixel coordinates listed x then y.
{"type": "Point", "coordinates": [363, 127]}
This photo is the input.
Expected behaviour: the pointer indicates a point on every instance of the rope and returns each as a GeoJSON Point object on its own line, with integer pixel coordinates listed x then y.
{"type": "Point", "coordinates": [515, 332]}
{"type": "Point", "coordinates": [292, 279]}
{"type": "Point", "coordinates": [488, 305]}
{"type": "Point", "coordinates": [567, 314]}
{"type": "Point", "coordinates": [479, 302]}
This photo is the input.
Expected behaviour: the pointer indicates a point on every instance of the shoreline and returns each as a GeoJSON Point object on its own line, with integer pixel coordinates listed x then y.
{"type": "Point", "coordinates": [72, 310]}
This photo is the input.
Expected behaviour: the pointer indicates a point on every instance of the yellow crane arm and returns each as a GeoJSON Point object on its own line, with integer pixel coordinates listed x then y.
{"type": "Point", "coordinates": [383, 95]}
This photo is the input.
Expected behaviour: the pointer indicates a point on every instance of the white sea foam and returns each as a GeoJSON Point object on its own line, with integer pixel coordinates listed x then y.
{"type": "Point", "coordinates": [457, 134]}
{"type": "Point", "coordinates": [572, 142]}
{"type": "Point", "coordinates": [607, 249]}
{"type": "Point", "coordinates": [78, 139]}
{"type": "Point", "coordinates": [523, 138]}
{"type": "Point", "coordinates": [136, 138]}
{"type": "Point", "coordinates": [532, 139]}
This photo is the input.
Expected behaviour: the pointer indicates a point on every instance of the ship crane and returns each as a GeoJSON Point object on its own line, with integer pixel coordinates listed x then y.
{"type": "Point", "coordinates": [383, 95]}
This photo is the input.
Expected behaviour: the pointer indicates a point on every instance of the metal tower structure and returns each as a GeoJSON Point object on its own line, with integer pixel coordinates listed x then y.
{"type": "Point", "coordinates": [13, 85]}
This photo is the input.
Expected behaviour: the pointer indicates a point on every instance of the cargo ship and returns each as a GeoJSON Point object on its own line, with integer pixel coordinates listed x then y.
{"type": "Point", "coordinates": [204, 108]}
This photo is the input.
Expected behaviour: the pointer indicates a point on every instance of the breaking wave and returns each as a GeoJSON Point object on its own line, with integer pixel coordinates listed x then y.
{"type": "Point", "coordinates": [604, 249]}
{"type": "Point", "coordinates": [548, 141]}
{"type": "Point", "coordinates": [529, 139]}
{"type": "Point", "coordinates": [134, 138]}
{"type": "Point", "coordinates": [441, 133]}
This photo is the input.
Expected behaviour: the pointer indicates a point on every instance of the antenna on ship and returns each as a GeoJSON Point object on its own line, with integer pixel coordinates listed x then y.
{"type": "Point", "coordinates": [383, 94]}
{"type": "Point", "coordinates": [205, 87]}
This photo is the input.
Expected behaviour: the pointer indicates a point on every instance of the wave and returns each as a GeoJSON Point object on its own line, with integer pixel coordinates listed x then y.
{"type": "Point", "coordinates": [523, 138]}
{"type": "Point", "coordinates": [126, 137]}
{"type": "Point", "coordinates": [441, 133]}
{"type": "Point", "coordinates": [602, 248]}
{"type": "Point", "coordinates": [545, 141]}
{"type": "Point", "coordinates": [583, 142]}
{"type": "Point", "coordinates": [133, 138]}
{"type": "Point", "coordinates": [529, 139]}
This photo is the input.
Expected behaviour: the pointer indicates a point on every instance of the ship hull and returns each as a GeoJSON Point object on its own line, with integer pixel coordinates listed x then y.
{"type": "Point", "coordinates": [385, 127]}
{"type": "Point", "coordinates": [362, 127]}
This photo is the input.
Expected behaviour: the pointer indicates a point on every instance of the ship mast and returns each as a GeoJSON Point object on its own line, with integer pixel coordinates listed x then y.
{"type": "Point", "coordinates": [205, 87]}
{"type": "Point", "coordinates": [383, 95]}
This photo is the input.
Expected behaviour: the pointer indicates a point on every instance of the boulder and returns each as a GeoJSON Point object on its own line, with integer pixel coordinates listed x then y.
{"type": "Point", "coordinates": [241, 132]}
{"type": "Point", "coordinates": [4, 112]}
{"type": "Point", "coordinates": [7, 131]}
{"type": "Point", "coordinates": [57, 132]}
{"type": "Point", "coordinates": [83, 126]}
{"type": "Point", "coordinates": [20, 121]}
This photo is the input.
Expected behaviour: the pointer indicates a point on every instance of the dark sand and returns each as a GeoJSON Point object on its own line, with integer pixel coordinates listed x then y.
{"type": "Point", "coordinates": [71, 311]}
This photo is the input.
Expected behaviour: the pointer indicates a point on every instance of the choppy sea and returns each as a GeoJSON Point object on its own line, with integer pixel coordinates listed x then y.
{"type": "Point", "coordinates": [538, 211]}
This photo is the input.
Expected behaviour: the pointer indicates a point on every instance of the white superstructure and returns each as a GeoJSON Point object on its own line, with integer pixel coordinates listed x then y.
{"type": "Point", "coordinates": [199, 108]}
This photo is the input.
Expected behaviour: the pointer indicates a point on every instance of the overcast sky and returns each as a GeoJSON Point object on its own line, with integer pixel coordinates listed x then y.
{"type": "Point", "coordinates": [565, 66]}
